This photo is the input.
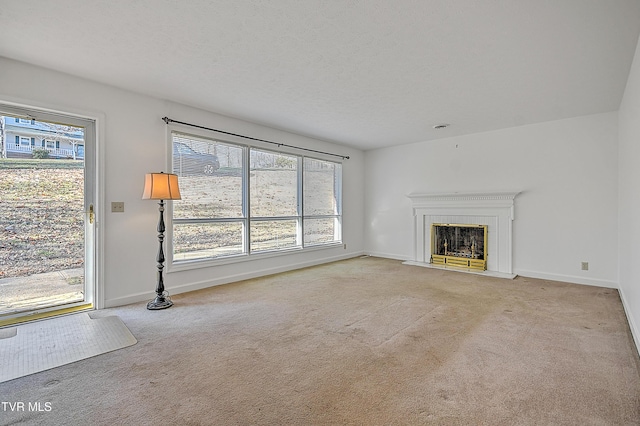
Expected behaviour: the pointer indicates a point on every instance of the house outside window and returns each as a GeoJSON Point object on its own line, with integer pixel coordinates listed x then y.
{"type": "Point", "coordinates": [25, 135]}
{"type": "Point", "coordinates": [241, 201]}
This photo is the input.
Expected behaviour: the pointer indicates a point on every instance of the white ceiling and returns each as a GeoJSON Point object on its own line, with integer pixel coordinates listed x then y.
{"type": "Point", "coordinates": [365, 73]}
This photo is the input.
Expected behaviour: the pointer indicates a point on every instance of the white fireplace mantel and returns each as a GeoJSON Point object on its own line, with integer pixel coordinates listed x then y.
{"type": "Point", "coordinates": [494, 209]}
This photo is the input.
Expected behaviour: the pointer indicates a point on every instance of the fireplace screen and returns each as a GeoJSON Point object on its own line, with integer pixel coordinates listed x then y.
{"type": "Point", "coordinates": [461, 246]}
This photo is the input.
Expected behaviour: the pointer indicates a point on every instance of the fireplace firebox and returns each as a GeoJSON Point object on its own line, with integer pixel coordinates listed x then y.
{"type": "Point", "coordinates": [459, 245]}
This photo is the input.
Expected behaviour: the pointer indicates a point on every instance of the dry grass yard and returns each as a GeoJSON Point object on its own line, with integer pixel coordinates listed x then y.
{"type": "Point", "coordinates": [41, 216]}
{"type": "Point", "coordinates": [273, 194]}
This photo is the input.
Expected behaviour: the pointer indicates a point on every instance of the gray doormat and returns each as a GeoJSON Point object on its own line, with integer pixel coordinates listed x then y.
{"type": "Point", "coordinates": [29, 348]}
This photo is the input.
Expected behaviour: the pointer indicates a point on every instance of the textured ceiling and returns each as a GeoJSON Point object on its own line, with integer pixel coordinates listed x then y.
{"type": "Point", "coordinates": [365, 73]}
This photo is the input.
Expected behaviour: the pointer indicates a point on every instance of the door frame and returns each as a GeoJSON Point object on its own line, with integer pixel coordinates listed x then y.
{"type": "Point", "coordinates": [93, 193]}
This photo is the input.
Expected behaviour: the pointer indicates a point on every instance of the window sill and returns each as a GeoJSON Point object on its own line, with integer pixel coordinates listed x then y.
{"type": "Point", "coordinates": [189, 265]}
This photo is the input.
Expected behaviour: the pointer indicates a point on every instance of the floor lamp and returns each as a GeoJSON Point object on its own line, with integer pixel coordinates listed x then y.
{"type": "Point", "coordinates": [160, 186]}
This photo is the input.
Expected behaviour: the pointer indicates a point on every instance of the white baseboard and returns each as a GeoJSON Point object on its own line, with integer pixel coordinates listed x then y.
{"type": "Point", "coordinates": [140, 297]}
{"type": "Point", "coordinates": [631, 320]}
{"type": "Point", "coordinates": [388, 255]}
{"type": "Point", "coordinates": [127, 300]}
{"type": "Point", "coordinates": [567, 278]}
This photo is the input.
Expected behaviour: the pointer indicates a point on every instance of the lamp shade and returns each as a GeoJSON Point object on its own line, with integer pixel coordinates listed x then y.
{"type": "Point", "coordinates": [161, 186]}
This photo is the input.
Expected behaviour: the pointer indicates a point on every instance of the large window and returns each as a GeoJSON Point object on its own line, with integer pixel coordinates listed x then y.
{"type": "Point", "coordinates": [239, 200]}
{"type": "Point", "coordinates": [322, 191]}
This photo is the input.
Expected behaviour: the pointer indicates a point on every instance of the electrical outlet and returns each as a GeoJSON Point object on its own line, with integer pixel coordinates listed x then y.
{"type": "Point", "coordinates": [585, 266]}
{"type": "Point", "coordinates": [345, 246]}
{"type": "Point", "coordinates": [117, 207]}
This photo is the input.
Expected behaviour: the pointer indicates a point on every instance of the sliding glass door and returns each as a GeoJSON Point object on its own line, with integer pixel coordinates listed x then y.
{"type": "Point", "coordinates": [47, 213]}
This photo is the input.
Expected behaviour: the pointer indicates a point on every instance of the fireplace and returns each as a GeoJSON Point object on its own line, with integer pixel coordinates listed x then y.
{"type": "Point", "coordinates": [459, 245]}
{"type": "Point", "coordinates": [493, 210]}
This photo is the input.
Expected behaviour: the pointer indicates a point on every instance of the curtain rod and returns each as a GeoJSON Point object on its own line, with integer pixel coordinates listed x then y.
{"type": "Point", "coordinates": [168, 120]}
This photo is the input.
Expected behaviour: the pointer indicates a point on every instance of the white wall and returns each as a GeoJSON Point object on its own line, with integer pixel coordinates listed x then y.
{"type": "Point", "coordinates": [566, 213]}
{"type": "Point", "coordinates": [629, 197]}
{"type": "Point", "coordinates": [132, 142]}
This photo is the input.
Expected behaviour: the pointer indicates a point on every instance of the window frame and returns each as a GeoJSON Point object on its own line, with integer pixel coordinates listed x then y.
{"type": "Point", "coordinates": [337, 216]}
{"type": "Point", "coordinates": [246, 219]}
{"type": "Point", "coordinates": [299, 207]}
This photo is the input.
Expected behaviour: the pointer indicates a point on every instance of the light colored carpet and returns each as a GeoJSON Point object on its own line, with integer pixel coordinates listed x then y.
{"type": "Point", "coordinates": [365, 341]}
{"type": "Point", "coordinates": [29, 348]}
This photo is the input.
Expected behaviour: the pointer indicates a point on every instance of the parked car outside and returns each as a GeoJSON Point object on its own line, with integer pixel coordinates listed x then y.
{"type": "Point", "coordinates": [187, 161]}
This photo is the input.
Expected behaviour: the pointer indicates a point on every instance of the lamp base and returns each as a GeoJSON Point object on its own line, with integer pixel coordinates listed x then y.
{"type": "Point", "coordinates": [160, 302]}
